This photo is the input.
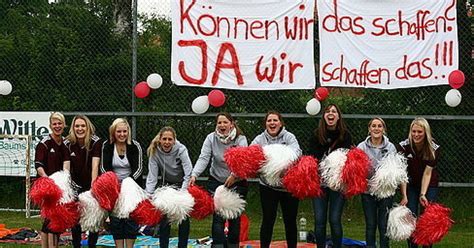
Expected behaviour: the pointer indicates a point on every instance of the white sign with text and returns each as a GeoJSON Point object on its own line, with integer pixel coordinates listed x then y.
{"type": "Point", "coordinates": [13, 151]}
{"type": "Point", "coordinates": [244, 45]}
{"type": "Point", "coordinates": [387, 44]}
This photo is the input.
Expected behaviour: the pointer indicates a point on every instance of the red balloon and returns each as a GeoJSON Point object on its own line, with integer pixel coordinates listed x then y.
{"type": "Point", "coordinates": [216, 98]}
{"type": "Point", "coordinates": [456, 79]}
{"type": "Point", "coordinates": [321, 93]}
{"type": "Point", "coordinates": [142, 90]}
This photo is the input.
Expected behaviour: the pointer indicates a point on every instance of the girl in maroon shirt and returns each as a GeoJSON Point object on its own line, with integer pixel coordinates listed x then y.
{"type": "Point", "coordinates": [422, 154]}
{"type": "Point", "coordinates": [84, 150]}
{"type": "Point", "coordinates": [51, 155]}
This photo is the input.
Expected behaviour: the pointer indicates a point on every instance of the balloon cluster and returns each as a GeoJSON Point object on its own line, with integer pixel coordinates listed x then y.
{"type": "Point", "coordinates": [5, 87]}
{"type": "Point", "coordinates": [215, 98]}
{"type": "Point", "coordinates": [143, 89]}
{"type": "Point", "coordinates": [313, 106]}
{"type": "Point", "coordinates": [456, 80]}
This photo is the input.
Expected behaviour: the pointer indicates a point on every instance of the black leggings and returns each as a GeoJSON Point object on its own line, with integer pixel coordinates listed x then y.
{"type": "Point", "coordinates": [218, 236]}
{"type": "Point", "coordinates": [77, 237]}
{"type": "Point", "coordinates": [269, 198]}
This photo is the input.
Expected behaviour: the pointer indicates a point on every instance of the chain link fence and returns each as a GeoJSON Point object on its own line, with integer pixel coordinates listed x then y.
{"type": "Point", "coordinates": [85, 57]}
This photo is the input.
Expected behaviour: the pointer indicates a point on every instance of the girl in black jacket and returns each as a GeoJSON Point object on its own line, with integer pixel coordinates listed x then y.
{"type": "Point", "coordinates": [330, 135]}
{"type": "Point", "coordinates": [123, 156]}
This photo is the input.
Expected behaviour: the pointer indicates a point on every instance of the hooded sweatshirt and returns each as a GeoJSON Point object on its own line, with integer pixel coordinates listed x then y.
{"type": "Point", "coordinates": [376, 153]}
{"type": "Point", "coordinates": [213, 151]}
{"type": "Point", "coordinates": [283, 138]}
{"type": "Point", "coordinates": [174, 167]}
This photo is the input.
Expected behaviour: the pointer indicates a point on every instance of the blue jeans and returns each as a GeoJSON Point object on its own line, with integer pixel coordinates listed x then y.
{"type": "Point", "coordinates": [334, 202]}
{"type": "Point", "coordinates": [376, 215]}
{"type": "Point", "coordinates": [218, 236]}
{"type": "Point", "coordinates": [413, 195]}
{"type": "Point", "coordinates": [123, 228]}
{"type": "Point", "coordinates": [183, 233]}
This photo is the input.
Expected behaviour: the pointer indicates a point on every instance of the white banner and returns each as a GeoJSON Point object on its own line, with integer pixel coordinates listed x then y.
{"type": "Point", "coordinates": [387, 44]}
{"type": "Point", "coordinates": [243, 44]}
{"type": "Point", "coordinates": [13, 151]}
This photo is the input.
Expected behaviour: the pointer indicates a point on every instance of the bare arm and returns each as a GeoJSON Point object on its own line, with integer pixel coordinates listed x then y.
{"type": "Point", "coordinates": [192, 181]}
{"type": "Point", "coordinates": [230, 180]}
{"type": "Point", "coordinates": [41, 172]}
{"type": "Point", "coordinates": [425, 182]}
{"type": "Point", "coordinates": [403, 189]}
{"type": "Point", "coordinates": [67, 165]}
{"type": "Point", "coordinates": [95, 168]}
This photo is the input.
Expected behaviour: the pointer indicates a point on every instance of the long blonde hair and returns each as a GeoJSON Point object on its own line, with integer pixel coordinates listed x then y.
{"type": "Point", "coordinates": [90, 131]}
{"type": "Point", "coordinates": [113, 127]}
{"type": "Point", "coordinates": [156, 141]}
{"type": "Point", "coordinates": [427, 150]}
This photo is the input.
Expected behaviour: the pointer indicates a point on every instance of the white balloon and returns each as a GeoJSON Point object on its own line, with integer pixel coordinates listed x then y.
{"type": "Point", "coordinates": [313, 106]}
{"type": "Point", "coordinates": [5, 87]}
{"type": "Point", "coordinates": [154, 80]}
{"type": "Point", "coordinates": [200, 105]}
{"type": "Point", "coordinates": [453, 98]}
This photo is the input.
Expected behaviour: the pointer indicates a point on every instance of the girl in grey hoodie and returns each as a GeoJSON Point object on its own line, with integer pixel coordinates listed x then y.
{"type": "Point", "coordinates": [169, 158]}
{"type": "Point", "coordinates": [270, 197]}
{"type": "Point", "coordinates": [376, 146]}
{"type": "Point", "coordinates": [226, 135]}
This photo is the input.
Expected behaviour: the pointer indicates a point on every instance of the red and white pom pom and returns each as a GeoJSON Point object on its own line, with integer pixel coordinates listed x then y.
{"type": "Point", "coordinates": [355, 172]}
{"type": "Point", "coordinates": [131, 194]}
{"type": "Point", "coordinates": [401, 223]}
{"type": "Point", "coordinates": [175, 204]}
{"type": "Point", "coordinates": [62, 216]}
{"type": "Point", "coordinates": [45, 193]}
{"type": "Point", "coordinates": [278, 159]}
{"type": "Point", "coordinates": [228, 203]}
{"type": "Point", "coordinates": [67, 186]}
{"type": "Point", "coordinates": [433, 224]}
{"type": "Point", "coordinates": [302, 180]}
{"type": "Point", "coordinates": [92, 215]}
{"type": "Point", "coordinates": [389, 174]}
{"type": "Point", "coordinates": [203, 202]}
{"type": "Point", "coordinates": [244, 162]}
{"type": "Point", "coordinates": [331, 169]}
{"type": "Point", "coordinates": [146, 214]}
{"type": "Point", "coordinates": [106, 189]}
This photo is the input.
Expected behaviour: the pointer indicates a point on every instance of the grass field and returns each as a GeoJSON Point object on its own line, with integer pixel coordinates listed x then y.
{"type": "Point", "coordinates": [461, 235]}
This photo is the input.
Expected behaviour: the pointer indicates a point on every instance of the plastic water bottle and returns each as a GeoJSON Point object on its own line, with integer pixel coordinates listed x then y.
{"type": "Point", "coordinates": [302, 226]}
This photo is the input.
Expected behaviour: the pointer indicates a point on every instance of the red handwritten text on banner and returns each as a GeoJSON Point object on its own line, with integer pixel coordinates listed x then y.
{"type": "Point", "coordinates": [248, 45]}
{"type": "Point", "coordinates": [387, 44]}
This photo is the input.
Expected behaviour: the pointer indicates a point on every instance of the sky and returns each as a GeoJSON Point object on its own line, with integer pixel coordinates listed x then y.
{"type": "Point", "coordinates": [160, 7]}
